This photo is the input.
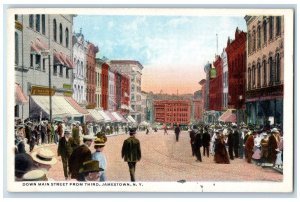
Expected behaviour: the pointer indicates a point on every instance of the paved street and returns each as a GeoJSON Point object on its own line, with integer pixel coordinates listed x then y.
{"type": "Point", "coordinates": [164, 159]}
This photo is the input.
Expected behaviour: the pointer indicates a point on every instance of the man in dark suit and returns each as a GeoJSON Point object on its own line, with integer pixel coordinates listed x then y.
{"type": "Point", "coordinates": [230, 142]}
{"type": "Point", "coordinates": [206, 141]}
{"type": "Point", "coordinates": [65, 150]}
{"type": "Point", "coordinates": [198, 145]}
{"type": "Point", "coordinates": [80, 155]}
{"type": "Point", "coordinates": [131, 152]}
{"type": "Point", "coordinates": [236, 145]}
{"type": "Point", "coordinates": [177, 131]}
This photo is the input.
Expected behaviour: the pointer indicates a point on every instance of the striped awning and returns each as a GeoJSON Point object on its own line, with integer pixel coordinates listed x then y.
{"type": "Point", "coordinates": [96, 115]}
{"type": "Point", "coordinates": [20, 97]}
{"type": "Point", "coordinates": [228, 116]}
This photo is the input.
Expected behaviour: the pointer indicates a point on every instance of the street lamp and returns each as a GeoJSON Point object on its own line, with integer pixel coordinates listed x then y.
{"type": "Point", "coordinates": [46, 53]}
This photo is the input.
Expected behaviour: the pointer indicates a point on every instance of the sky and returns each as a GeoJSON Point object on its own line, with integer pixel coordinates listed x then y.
{"type": "Point", "coordinates": [172, 49]}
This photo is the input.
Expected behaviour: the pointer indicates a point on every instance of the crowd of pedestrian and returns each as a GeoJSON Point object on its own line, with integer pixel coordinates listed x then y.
{"type": "Point", "coordinates": [260, 145]}
{"type": "Point", "coordinates": [223, 142]}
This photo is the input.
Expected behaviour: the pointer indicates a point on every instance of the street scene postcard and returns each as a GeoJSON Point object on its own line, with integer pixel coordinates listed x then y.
{"type": "Point", "coordinates": [149, 100]}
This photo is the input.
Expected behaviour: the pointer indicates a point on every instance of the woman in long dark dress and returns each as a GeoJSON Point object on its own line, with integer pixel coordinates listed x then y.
{"type": "Point", "coordinates": [221, 154]}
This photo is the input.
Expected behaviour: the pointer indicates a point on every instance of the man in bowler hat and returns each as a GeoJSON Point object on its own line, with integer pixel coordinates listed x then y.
{"type": "Point", "coordinates": [131, 152]}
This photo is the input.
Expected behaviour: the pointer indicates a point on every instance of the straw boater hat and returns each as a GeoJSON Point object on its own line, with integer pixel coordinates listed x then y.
{"type": "Point", "coordinates": [274, 130]}
{"type": "Point", "coordinates": [100, 141]}
{"type": "Point", "coordinates": [44, 156]}
{"type": "Point", "coordinates": [90, 166]}
{"type": "Point", "coordinates": [88, 137]}
{"type": "Point", "coordinates": [35, 175]}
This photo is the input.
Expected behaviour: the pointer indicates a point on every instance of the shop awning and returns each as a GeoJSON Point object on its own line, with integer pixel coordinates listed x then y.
{"type": "Point", "coordinates": [105, 116]}
{"type": "Point", "coordinates": [112, 118]}
{"type": "Point", "coordinates": [228, 116]}
{"type": "Point", "coordinates": [60, 107]}
{"type": "Point", "coordinates": [119, 117]}
{"type": "Point", "coordinates": [20, 97]}
{"type": "Point", "coordinates": [34, 48]}
{"type": "Point", "coordinates": [130, 119]}
{"type": "Point", "coordinates": [122, 117]}
{"type": "Point", "coordinates": [96, 115]}
{"type": "Point", "coordinates": [76, 106]}
{"type": "Point", "coordinates": [58, 59]}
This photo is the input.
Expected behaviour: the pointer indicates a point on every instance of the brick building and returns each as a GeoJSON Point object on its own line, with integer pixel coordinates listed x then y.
{"type": "Point", "coordinates": [125, 92]}
{"type": "Point", "coordinates": [216, 86]}
{"type": "Point", "coordinates": [92, 50]}
{"type": "Point", "coordinates": [236, 55]}
{"type": "Point", "coordinates": [172, 111]}
{"type": "Point", "coordinates": [104, 85]}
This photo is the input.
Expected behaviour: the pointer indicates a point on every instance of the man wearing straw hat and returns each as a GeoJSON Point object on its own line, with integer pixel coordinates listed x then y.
{"type": "Point", "coordinates": [90, 170]}
{"type": "Point", "coordinates": [80, 155]}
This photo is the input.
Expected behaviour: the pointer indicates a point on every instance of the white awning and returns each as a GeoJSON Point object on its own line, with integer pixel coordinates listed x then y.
{"type": "Point", "coordinates": [60, 106]}
{"type": "Point", "coordinates": [119, 119]}
{"type": "Point", "coordinates": [105, 116]}
{"type": "Point", "coordinates": [96, 114]}
{"type": "Point", "coordinates": [130, 119]}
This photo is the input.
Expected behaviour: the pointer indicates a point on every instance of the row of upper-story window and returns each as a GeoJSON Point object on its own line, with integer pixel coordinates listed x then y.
{"type": "Point", "coordinates": [265, 73]}
{"type": "Point", "coordinates": [39, 63]}
{"type": "Point", "coordinates": [37, 21]}
{"type": "Point", "coordinates": [258, 36]}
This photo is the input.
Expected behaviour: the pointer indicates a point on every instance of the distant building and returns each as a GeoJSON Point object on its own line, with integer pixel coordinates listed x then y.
{"type": "Point", "coordinates": [104, 84]}
{"type": "Point", "coordinates": [98, 83]}
{"type": "Point", "coordinates": [207, 69]}
{"type": "Point", "coordinates": [216, 87]}
{"type": "Point", "coordinates": [92, 50]}
{"type": "Point", "coordinates": [111, 91]}
{"type": "Point", "coordinates": [265, 69]}
{"type": "Point", "coordinates": [225, 80]}
{"type": "Point", "coordinates": [79, 73]}
{"type": "Point", "coordinates": [197, 106]}
{"type": "Point", "coordinates": [133, 69]}
{"type": "Point", "coordinates": [144, 106]}
{"type": "Point", "coordinates": [172, 111]}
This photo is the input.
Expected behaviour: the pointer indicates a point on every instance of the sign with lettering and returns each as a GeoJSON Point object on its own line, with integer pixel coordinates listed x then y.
{"type": "Point", "coordinates": [67, 86]}
{"type": "Point", "coordinates": [39, 90]}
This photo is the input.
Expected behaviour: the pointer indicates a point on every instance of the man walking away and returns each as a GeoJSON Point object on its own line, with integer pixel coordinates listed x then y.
{"type": "Point", "coordinates": [65, 150]}
{"type": "Point", "coordinates": [198, 145]}
{"type": "Point", "coordinates": [177, 131]}
{"type": "Point", "coordinates": [131, 152]}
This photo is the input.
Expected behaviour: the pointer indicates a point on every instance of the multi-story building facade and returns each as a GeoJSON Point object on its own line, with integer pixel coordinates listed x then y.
{"type": "Point", "coordinates": [207, 69]}
{"type": "Point", "coordinates": [150, 108]}
{"type": "Point", "coordinates": [236, 55]}
{"type": "Point", "coordinates": [197, 106]}
{"type": "Point", "coordinates": [144, 106]}
{"type": "Point", "coordinates": [98, 83]}
{"type": "Point", "coordinates": [225, 80]}
{"type": "Point", "coordinates": [118, 91]}
{"type": "Point", "coordinates": [172, 111]}
{"type": "Point", "coordinates": [133, 69]}
{"type": "Point", "coordinates": [104, 84]}
{"type": "Point", "coordinates": [79, 73]}
{"type": "Point", "coordinates": [265, 68]}
{"type": "Point", "coordinates": [92, 50]}
{"type": "Point", "coordinates": [216, 86]}
{"type": "Point", "coordinates": [111, 91]}
{"type": "Point", "coordinates": [125, 91]}
{"type": "Point", "coordinates": [46, 47]}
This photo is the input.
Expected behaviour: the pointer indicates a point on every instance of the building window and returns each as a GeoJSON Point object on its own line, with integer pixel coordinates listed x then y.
{"type": "Point", "coordinates": [249, 43]}
{"type": "Point", "coordinates": [265, 31]}
{"type": "Point", "coordinates": [67, 37]}
{"type": "Point", "coordinates": [249, 78]}
{"type": "Point", "coordinates": [60, 33]}
{"type": "Point", "coordinates": [258, 37]}
{"type": "Point", "coordinates": [55, 70]}
{"type": "Point", "coordinates": [271, 27]}
{"type": "Point", "coordinates": [38, 61]}
{"type": "Point", "coordinates": [16, 48]}
{"type": "Point", "coordinates": [31, 60]}
{"type": "Point", "coordinates": [54, 30]}
{"type": "Point", "coordinates": [43, 24]}
{"type": "Point", "coordinates": [44, 64]}
{"type": "Point", "coordinates": [61, 68]}
{"type": "Point", "coordinates": [31, 21]}
{"type": "Point", "coordinates": [277, 67]}
{"type": "Point", "coordinates": [37, 23]}
{"type": "Point", "coordinates": [254, 41]}
{"type": "Point", "coordinates": [271, 71]}
{"type": "Point", "coordinates": [265, 72]}
{"type": "Point", "coordinates": [67, 73]}
{"type": "Point", "coordinates": [258, 74]}
{"type": "Point", "coordinates": [16, 18]}
{"type": "Point", "coordinates": [278, 25]}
